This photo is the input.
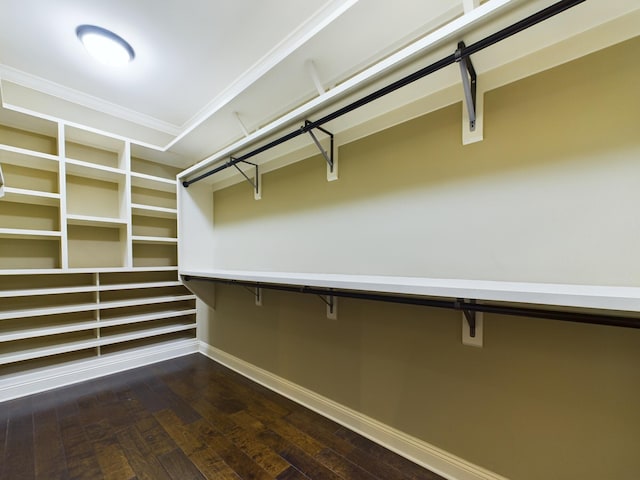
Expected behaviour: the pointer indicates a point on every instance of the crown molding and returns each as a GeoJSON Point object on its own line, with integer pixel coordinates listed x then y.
{"type": "Point", "coordinates": [39, 84]}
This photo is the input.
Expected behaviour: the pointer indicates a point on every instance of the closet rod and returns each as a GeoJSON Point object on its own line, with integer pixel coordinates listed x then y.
{"type": "Point", "coordinates": [465, 52]}
{"type": "Point", "coordinates": [454, 304]}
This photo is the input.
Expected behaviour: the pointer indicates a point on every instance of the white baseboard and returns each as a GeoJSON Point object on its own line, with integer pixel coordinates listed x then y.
{"type": "Point", "coordinates": [416, 450]}
{"type": "Point", "coordinates": [20, 385]}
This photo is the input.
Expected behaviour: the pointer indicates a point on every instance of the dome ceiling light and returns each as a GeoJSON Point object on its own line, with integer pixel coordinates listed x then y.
{"type": "Point", "coordinates": [105, 46]}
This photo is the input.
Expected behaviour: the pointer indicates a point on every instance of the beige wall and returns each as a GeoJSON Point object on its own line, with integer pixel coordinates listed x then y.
{"type": "Point", "coordinates": [551, 195]}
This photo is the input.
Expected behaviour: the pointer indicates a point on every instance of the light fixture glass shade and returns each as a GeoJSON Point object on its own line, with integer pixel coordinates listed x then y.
{"type": "Point", "coordinates": [105, 46]}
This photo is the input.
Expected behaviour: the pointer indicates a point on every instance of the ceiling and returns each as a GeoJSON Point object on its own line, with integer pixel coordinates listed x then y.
{"type": "Point", "coordinates": [207, 73]}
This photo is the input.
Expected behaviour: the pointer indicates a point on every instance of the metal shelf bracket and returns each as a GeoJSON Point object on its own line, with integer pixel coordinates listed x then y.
{"type": "Point", "coordinates": [256, 183]}
{"type": "Point", "coordinates": [257, 293]}
{"type": "Point", "coordinates": [1, 183]}
{"type": "Point", "coordinates": [472, 125]}
{"type": "Point", "coordinates": [472, 323]}
{"type": "Point", "coordinates": [469, 79]}
{"type": "Point", "coordinates": [330, 157]}
{"type": "Point", "coordinates": [331, 302]}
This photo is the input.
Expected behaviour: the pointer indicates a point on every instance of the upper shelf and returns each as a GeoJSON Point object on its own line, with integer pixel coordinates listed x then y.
{"type": "Point", "coordinates": [27, 234]}
{"type": "Point", "coordinates": [94, 221]}
{"type": "Point", "coordinates": [28, 158]}
{"type": "Point", "coordinates": [152, 182]}
{"type": "Point", "coordinates": [95, 171]}
{"type": "Point", "coordinates": [33, 197]}
{"type": "Point", "coordinates": [153, 211]}
{"type": "Point", "coordinates": [564, 295]}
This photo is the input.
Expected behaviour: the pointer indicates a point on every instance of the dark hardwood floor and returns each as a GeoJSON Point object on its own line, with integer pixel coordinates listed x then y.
{"type": "Point", "coordinates": [187, 418]}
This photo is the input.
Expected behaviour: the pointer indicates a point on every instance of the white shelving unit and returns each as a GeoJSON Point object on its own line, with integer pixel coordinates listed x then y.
{"type": "Point", "coordinates": [90, 285]}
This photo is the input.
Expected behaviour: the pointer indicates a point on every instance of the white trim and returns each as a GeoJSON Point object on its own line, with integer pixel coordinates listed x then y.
{"type": "Point", "coordinates": [57, 90]}
{"type": "Point", "coordinates": [55, 377]}
{"type": "Point", "coordinates": [414, 449]}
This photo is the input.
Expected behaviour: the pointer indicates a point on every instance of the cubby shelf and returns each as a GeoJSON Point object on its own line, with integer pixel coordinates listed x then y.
{"type": "Point", "coordinates": [92, 170]}
{"type": "Point", "coordinates": [34, 197]}
{"type": "Point", "coordinates": [85, 289]}
{"type": "Point", "coordinates": [38, 292]}
{"type": "Point", "coordinates": [95, 221]}
{"type": "Point", "coordinates": [20, 233]}
{"type": "Point", "coordinates": [152, 182]}
{"type": "Point", "coordinates": [153, 211]}
{"type": "Point", "coordinates": [154, 240]}
{"type": "Point", "coordinates": [136, 286]}
{"type": "Point", "coordinates": [22, 157]}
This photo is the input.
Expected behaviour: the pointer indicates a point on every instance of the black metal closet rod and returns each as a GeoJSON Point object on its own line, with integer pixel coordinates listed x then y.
{"type": "Point", "coordinates": [503, 34]}
{"type": "Point", "coordinates": [457, 304]}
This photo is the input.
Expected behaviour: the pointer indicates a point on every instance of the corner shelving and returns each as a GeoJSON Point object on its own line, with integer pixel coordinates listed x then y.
{"type": "Point", "coordinates": [88, 258]}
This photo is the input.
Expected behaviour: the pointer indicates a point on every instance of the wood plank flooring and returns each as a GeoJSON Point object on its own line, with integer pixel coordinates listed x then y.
{"type": "Point", "coordinates": [187, 418]}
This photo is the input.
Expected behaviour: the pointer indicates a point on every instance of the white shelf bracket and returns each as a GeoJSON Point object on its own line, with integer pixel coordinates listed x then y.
{"type": "Point", "coordinates": [256, 183]}
{"type": "Point", "coordinates": [470, 5]}
{"type": "Point", "coordinates": [330, 157]}
{"type": "Point", "coordinates": [245, 132]}
{"type": "Point", "coordinates": [313, 73]}
{"type": "Point", "coordinates": [473, 105]}
{"type": "Point", "coordinates": [331, 302]}
{"type": "Point", "coordinates": [257, 294]}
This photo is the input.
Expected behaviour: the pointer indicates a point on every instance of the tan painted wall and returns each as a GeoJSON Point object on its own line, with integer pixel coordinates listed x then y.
{"type": "Point", "coordinates": [550, 195]}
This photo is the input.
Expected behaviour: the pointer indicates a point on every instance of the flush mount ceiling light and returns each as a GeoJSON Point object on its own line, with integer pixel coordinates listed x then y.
{"type": "Point", "coordinates": [105, 46]}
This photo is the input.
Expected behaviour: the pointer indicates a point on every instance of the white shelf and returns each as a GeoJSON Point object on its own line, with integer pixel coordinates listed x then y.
{"type": "Point", "coordinates": [33, 197]}
{"type": "Point", "coordinates": [136, 286]}
{"type": "Point", "coordinates": [152, 182]}
{"type": "Point", "coordinates": [28, 292]}
{"type": "Point", "coordinates": [93, 324]}
{"type": "Point", "coordinates": [95, 221]}
{"type": "Point", "coordinates": [37, 292]}
{"type": "Point", "coordinates": [43, 311]}
{"type": "Point", "coordinates": [39, 352]}
{"type": "Point", "coordinates": [145, 301]}
{"type": "Point", "coordinates": [153, 211]}
{"type": "Point", "coordinates": [28, 158]}
{"type": "Point", "coordinates": [94, 171]}
{"type": "Point", "coordinates": [565, 295]}
{"type": "Point", "coordinates": [86, 307]}
{"type": "Point", "coordinates": [150, 332]}
{"type": "Point", "coordinates": [145, 317]}
{"type": "Point", "coordinates": [154, 240]}
{"type": "Point", "coordinates": [52, 271]}
{"type": "Point", "coordinates": [29, 234]}
{"type": "Point", "coordinates": [46, 331]}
